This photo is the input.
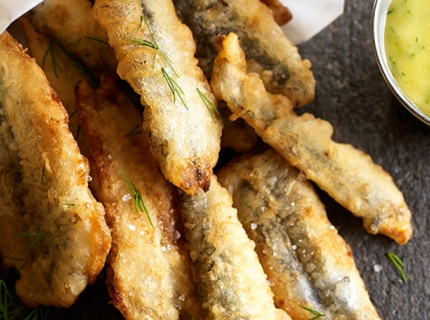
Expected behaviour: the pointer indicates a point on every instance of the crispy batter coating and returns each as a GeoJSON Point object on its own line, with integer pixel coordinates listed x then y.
{"type": "Point", "coordinates": [71, 23]}
{"type": "Point", "coordinates": [345, 173]}
{"type": "Point", "coordinates": [52, 228]}
{"type": "Point", "coordinates": [184, 132]}
{"type": "Point", "coordinates": [306, 260]}
{"type": "Point", "coordinates": [60, 71]}
{"type": "Point", "coordinates": [269, 52]}
{"type": "Point", "coordinates": [150, 271]}
{"type": "Point", "coordinates": [231, 281]}
{"type": "Point", "coordinates": [237, 135]}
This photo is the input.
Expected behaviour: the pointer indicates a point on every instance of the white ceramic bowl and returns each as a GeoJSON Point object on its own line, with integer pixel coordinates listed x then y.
{"type": "Point", "coordinates": [379, 16]}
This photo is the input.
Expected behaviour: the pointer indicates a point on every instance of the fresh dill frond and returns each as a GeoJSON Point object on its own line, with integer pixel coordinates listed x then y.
{"type": "Point", "coordinates": [210, 106]}
{"type": "Point", "coordinates": [9, 309]}
{"type": "Point", "coordinates": [72, 114]}
{"type": "Point", "coordinates": [175, 89]}
{"type": "Point", "coordinates": [97, 40]}
{"type": "Point", "coordinates": [43, 175]}
{"type": "Point", "coordinates": [139, 204]}
{"type": "Point", "coordinates": [316, 313]}
{"type": "Point", "coordinates": [140, 24]}
{"type": "Point", "coordinates": [398, 263]}
{"type": "Point", "coordinates": [78, 131]}
{"type": "Point", "coordinates": [39, 237]}
{"type": "Point", "coordinates": [73, 45]}
{"type": "Point", "coordinates": [25, 261]}
{"type": "Point", "coordinates": [50, 51]}
{"type": "Point", "coordinates": [133, 132]}
{"type": "Point", "coordinates": [153, 45]}
{"type": "Point", "coordinates": [38, 313]}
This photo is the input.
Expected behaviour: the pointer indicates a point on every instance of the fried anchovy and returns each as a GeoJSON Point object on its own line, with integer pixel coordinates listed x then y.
{"type": "Point", "coordinates": [268, 51]}
{"type": "Point", "coordinates": [150, 270]}
{"type": "Point", "coordinates": [345, 173]}
{"type": "Point", "coordinates": [52, 229]}
{"type": "Point", "coordinates": [307, 262]}
{"type": "Point", "coordinates": [156, 57]}
{"type": "Point", "coordinates": [231, 281]}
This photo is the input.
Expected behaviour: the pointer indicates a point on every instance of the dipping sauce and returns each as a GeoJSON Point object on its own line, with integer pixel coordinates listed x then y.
{"type": "Point", "coordinates": [407, 45]}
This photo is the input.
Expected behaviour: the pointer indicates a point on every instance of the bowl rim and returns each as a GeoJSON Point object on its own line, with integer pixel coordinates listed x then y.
{"type": "Point", "coordinates": [379, 15]}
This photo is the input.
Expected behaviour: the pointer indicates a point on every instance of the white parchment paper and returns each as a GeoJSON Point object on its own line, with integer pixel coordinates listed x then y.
{"type": "Point", "coordinates": [12, 10]}
{"type": "Point", "coordinates": [309, 16]}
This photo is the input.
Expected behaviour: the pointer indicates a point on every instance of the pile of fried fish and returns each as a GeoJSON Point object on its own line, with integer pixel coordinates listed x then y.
{"type": "Point", "coordinates": [111, 124]}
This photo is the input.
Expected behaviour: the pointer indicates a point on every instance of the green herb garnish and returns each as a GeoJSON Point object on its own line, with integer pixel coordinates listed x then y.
{"type": "Point", "coordinates": [25, 261]}
{"type": "Point", "coordinates": [54, 62]}
{"type": "Point", "coordinates": [97, 40]}
{"type": "Point", "coordinates": [210, 106]}
{"type": "Point", "coordinates": [398, 263]}
{"type": "Point", "coordinates": [39, 237]}
{"type": "Point", "coordinates": [139, 204]}
{"type": "Point", "coordinates": [316, 313]}
{"type": "Point", "coordinates": [153, 45]}
{"type": "Point", "coordinates": [175, 89]}
{"type": "Point", "coordinates": [43, 175]}
{"type": "Point", "coordinates": [133, 132]}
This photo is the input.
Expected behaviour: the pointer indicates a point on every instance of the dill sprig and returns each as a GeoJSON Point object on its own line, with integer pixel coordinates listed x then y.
{"type": "Point", "coordinates": [25, 261]}
{"type": "Point", "coordinates": [97, 40]}
{"type": "Point", "coordinates": [39, 237]}
{"type": "Point", "coordinates": [398, 263]}
{"type": "Point", "coordinates": [133, 131]}
{"type": "Point", "coordinates": [43, 175]}
{"type": "Point", "coordinates": [78, 131]}
{"type": "Point", "coordinates": [210, 106]}
{"type": "Point", "coordinates": [175, 89]}
{"type": "Point", "coordinates": [9, 309]}
{"type": "Point", "coordinates": [316, 313]}
{"type": "Point", "coordinates": [153, 45]}
{"type": "Point", "coordinates": [54, 62]}
{"type": "Point", "coordinates": [139, 204]}
{"type": "Point", "coordinates": [38, 313]}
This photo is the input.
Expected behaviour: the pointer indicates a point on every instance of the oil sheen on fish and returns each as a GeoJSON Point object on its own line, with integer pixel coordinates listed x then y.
{"type": "Point", "coordinates": [306, 260]}
{"type": "Point", "coordinates": [150, 271]}
{"type": "Point", "coordinates": [269, 52]}
{"type": "Point", "coordinates": [345, 173]}
{"type": "Point", "coordinates": [156, 57]}
{"type": "Point", "coordinates": [52, 229]}
{"type": "Point", "coordinates": [231, 281]}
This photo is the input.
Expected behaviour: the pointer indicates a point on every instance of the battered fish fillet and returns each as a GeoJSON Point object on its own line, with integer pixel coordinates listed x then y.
{"type": "Point", "coordinates": [345, 173]}
{"type": "Point", "coordinates": [71, 23]}
{"type": "Point", "coordinates": [269, 52]}
{"type": "Point", "coordinates": [156, 57]}
{"type": "Point", "coordinates": [150, 273]}
{"type": "Point", "coordinates": [59, 70]}
{"type": "Point", "coordinates": [231, 281]}
{"type": "Point", "coordinates": [306, 260]}
{"type": "Point", "coordinates": [53, 231]}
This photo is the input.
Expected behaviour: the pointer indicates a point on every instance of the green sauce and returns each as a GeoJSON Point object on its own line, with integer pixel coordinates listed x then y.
{"type": "Point", "coordinates": [407, 45]}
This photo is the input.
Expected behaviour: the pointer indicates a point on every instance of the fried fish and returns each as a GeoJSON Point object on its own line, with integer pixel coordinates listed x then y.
{"type": "Point", "coordinates": [231, 281]}
{"type": "Point", "coordinates": [306, 260]}
{"type": "Point", "coordinates": [53, 230]}
{"type": "Point", "coordinates": [156, 57]}
{"type": "Point", "coordinates": [72, 25]}
{"type": "Point", "coordinates": [345, 173]}
{"type": "Point", "coordinates": [149, 273]}
{"type": "Point", "coordinates": [269, 52]}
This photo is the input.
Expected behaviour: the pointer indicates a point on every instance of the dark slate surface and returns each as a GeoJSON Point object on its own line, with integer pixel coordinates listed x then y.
{"type": "Point", "coordinates": [352, 95]}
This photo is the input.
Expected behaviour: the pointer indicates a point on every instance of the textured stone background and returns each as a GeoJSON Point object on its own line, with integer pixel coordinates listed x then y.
{"type": "Point", "coordinates": [352, 95]}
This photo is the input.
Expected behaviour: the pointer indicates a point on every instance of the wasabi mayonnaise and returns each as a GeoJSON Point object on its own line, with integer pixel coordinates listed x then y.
{"type": "Point", "coordinates": [407, 45]}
